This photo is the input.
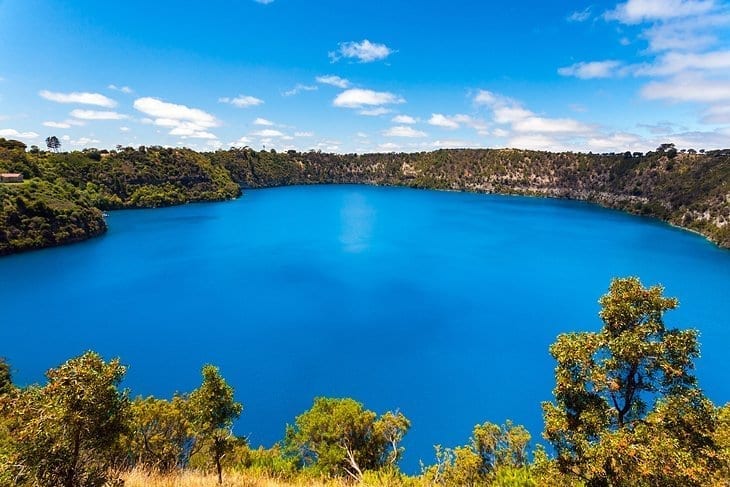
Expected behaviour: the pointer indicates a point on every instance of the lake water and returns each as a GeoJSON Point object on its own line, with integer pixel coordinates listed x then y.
{"type": "Point", "coordinates": [442, 305]}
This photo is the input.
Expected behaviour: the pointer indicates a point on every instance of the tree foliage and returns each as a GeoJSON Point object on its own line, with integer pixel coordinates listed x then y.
{"type": "Point", "coordinates": [53, 143]}
{"type": "Point", "coordinates": [618, 391]}
{"type": "Point", "coordinates": [339, 437]}
{"type": "Point", "coordinates": [159, 437]}
{"type": "Point", "coordinates": [63, 434]}
{"type": "Point", "coordinates": [213, 409]}
{"type": "Point", "coordinates": [493, 452]}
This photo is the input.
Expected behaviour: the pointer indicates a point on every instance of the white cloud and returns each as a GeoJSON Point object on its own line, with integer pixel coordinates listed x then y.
{"type": "Point", "coordinates": [57, 125]}
{"type": "Point", "coordinates": [19, 135]}
{"type": "Point", "coordinates": [551, 126]}
{"type": "Point", "coordinates": [375, 112]}
{"type": "Point", "coordinates": [80, 98]}
{"type": "Point", "coordinates": [84, 141]}
{"type": "Point", "coordinates": [192, 132]}
{"type": "Point", "coordinates": [510, 114]}
{"type": "Point", "coordinates": [506, 111]}
{"type": "Point", "coordinates": [358, 98]}
{"type": "Point", "coordinates": [717, 114]}
{"type": "Point", "coordinates": [242, 142]}
{"type": "Point", "coordinates": [267, 133]}
{"type": "Point", "coordinates": [303, 134]}
{"type": "Point", "coordinates": [333, 80]}
{"type": "Point", "coordinates": [637, 11]}
{"type": "Point", "coordinates": [123, 89]}
{"type": "Point", "coordinates": [535, 142]}
{"type": "Point", "coordinates": [686, 34]}
{"type": "Point", "coordinates": [593, 69]}
{"type": "Point", "coordinates": [406, 119]}
{"type": "Point", "coordinates": [389, 147]}
{"type": "Point", "coordinates": [183, 121]}
{"type": "Point", "coordinates": [242, 101]}
{"type": "Point", "coordinates": [484, 97]}
{"type": "Point", "coordinates": [263, 121]}
{"type": "Point", "coordinates": [617, 142]}
{"type": "Point", "coordinates": [364, 51]}
{"type": "Point", "coordinates": [580, 15]}
{"type": "Point", "coordinates": [97, 115]}
{"type": "Point", "coordinates": [678, 62]}
{"type": "Point", "coordinates": [159, 109]}
{"type": "Point", "coordinates": [528, 130]}
{"type": "Point", "coordinates": [443, 121]}
{"type": "Point", "coordinates": [124, 129]}
{"type": "Point", "coordinates": [403, 131]}
{"type": "Point", "coordinates": [690, 88]}
{"type": "Point", "coordinates": [298, 89]}
{"type": "Point", "coordinates": [453, 144]}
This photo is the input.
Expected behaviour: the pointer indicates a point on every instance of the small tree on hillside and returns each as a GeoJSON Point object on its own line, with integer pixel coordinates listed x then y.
{"type": "Point", "coordinates": [53, 143]}
{"type": "Point", "coordinates": [213, 410]}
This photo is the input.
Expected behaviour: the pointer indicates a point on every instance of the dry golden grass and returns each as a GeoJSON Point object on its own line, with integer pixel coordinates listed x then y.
{"type": "Point", "coordinates": [139, 478]}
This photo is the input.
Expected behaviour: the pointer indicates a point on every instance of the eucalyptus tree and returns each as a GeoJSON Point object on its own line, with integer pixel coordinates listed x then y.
{"type": "Point", "coordinates": [64, 433]}
{"type": "Point", "coordinates": [628, 410]}
{"type": "Point", "coordinates": [53, 143]}
{"type": "Point", "coordinates": [213, 410]}
{"type": "Point", "coordinates": [340, 437]}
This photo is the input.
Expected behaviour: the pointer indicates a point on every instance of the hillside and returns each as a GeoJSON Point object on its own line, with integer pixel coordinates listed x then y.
{"type": "Point", "coordinates": [688, 189]}
{"type": "Point", "coordinates": [39, 214]}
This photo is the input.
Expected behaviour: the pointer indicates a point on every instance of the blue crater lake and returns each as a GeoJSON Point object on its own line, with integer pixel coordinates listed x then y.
{"type": "Point", "coordinates": [442, 305]}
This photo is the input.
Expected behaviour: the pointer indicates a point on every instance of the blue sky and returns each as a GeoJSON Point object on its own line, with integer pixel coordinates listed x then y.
{"type": "Point", "coordinates": [367, 76]}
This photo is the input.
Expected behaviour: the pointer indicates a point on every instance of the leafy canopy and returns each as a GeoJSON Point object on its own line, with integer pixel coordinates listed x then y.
{"type": "Point", "coordinates": [625, 396]}
{"type": "Point", "coordinates": [339, 437]}
{"type": "Point", "coordinates": [64, 433]}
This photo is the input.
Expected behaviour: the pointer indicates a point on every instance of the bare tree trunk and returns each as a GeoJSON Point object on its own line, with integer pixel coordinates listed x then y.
{"type": "Point", "coordinates": [357, 474]}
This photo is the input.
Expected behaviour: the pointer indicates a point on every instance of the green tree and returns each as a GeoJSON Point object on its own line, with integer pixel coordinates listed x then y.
{"type": "Point", "coordinates": [53, 143]}
{"type": "Point", "coordinates": [612, 421]}
{"type": "Point", "coordinates": [64, 432]}
{"type": "Point", "coordinates": [339, 437]}
{"type": "Point", "coordinates": [495, 454]}
{"type": "Point", "coordinates": [159, 436]}
{"type": "Point", "coordinates": [213, 410]}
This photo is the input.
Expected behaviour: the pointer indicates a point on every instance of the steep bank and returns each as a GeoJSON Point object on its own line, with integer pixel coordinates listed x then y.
{"type": "Point", "coordinates": [39, 214]}
{"type": "Point", "coordinates": [687, 189]}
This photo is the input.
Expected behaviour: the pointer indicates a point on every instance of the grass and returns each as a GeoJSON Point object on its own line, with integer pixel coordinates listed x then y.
{"type": "Point", "coordinates": [192, 478]}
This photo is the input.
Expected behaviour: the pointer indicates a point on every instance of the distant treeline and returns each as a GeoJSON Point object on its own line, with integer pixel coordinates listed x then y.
{"type": "Point", "coordinates": [627, 411]}
{"type": "Point", "coordinates": [58, 201]}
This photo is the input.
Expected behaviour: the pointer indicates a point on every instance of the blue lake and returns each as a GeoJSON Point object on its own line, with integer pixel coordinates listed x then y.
{"type": "Point", "coordinates": [442, 305]}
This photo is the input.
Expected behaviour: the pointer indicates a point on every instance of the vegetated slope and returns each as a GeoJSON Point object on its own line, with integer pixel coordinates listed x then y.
{"type": "Point", "coordinates": [38, 214]}
{"type": "Point", "coordinates": [688, 189]}
{"type": "Point", "coordinates": [61, 199]}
